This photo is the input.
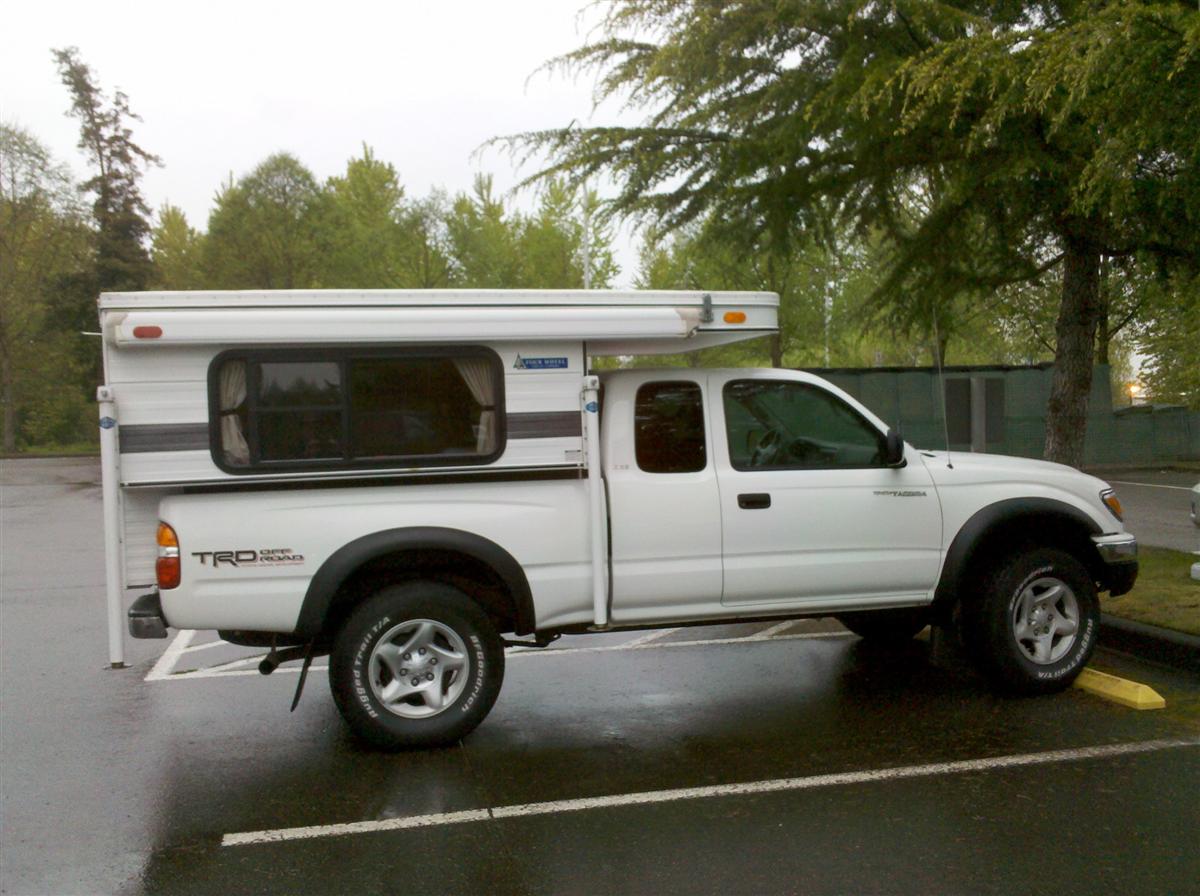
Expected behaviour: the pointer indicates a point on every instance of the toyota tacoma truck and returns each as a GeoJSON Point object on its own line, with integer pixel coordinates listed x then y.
{"type": "Point", "coordinates": [408, 481]}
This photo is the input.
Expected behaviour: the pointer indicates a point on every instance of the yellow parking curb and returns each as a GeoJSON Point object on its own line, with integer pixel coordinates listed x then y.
{"type": "Point", "coordinates": [1119, 690]}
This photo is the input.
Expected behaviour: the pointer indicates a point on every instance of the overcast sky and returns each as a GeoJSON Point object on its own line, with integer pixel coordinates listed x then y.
{"type": "Point", "coordinates": [221, 85]}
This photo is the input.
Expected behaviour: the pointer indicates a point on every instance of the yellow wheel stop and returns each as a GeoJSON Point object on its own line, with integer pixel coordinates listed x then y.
{"type": "Point", "coordinates": [1119, 690]}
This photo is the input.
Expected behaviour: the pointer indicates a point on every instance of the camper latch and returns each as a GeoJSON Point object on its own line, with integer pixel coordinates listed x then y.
{"type": "Point", "coordinates": [706, 312]}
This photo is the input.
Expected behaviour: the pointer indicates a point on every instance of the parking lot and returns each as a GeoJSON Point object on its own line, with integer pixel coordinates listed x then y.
{"type": "Point", "coordinates": [757, 758]}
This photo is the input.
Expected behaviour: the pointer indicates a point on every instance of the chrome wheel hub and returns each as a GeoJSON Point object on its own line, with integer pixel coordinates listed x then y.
{"type": "Point", "coordinates": [1046, 620]}
{"type": "Point", "coordinates": [418, 668]}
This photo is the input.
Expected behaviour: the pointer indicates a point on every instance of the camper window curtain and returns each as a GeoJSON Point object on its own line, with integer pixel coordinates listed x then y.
{"type": "Point", "coordinates": [477, 373]}
{"type": "Point", "coordinates": [233, 397]}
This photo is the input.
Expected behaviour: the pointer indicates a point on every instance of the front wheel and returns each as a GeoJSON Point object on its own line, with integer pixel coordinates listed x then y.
{"type": "Point", "coordinates": [416, 665]}
{"type": "Point", "coordinates": [1033, 627]}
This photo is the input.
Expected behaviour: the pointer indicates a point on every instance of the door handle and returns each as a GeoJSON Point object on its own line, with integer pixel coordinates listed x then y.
{"type": "Point", "coordinates": [755, 501]}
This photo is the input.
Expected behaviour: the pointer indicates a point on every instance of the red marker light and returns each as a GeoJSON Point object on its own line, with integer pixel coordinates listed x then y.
{"type": "Point", "coordinates": [147, 332]}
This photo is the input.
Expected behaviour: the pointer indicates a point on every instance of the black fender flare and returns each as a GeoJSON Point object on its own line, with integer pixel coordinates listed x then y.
{"type": "Point", "coordinates": [347, 559]}
{"type": "Point", "coordinates": [986, 520]}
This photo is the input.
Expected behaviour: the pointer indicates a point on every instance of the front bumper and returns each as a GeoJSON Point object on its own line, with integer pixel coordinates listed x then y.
{"type": "Point", "coordinates": [146, 618]}
{"type": "Point", "coordinates": [1119, 555]}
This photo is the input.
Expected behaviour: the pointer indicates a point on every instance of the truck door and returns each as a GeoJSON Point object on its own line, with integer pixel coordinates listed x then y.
{"type": "Point", "coordinates": [811, 514]}
{"type": "Point", "coordinates": [663, 499]}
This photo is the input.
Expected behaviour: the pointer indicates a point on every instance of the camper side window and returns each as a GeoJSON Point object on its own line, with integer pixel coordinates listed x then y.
{"type": "Point", "coordinates": [333, 409]}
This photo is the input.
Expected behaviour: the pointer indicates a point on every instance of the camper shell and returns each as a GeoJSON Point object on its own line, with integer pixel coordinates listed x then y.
{"type": "Point", "coordinates": [162, 354]}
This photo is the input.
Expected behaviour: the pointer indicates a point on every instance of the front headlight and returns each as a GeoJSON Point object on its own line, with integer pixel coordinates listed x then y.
{"type": "Point", "coordinates": [1109, 498]}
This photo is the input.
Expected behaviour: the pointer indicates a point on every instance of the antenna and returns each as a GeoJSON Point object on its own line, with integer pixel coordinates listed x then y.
{"type": "Point", "coordinates": [937, 357]}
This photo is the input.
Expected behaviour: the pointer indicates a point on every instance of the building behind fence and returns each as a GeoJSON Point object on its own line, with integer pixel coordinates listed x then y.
{"type": "Point", "coordinates": [1002, 410]}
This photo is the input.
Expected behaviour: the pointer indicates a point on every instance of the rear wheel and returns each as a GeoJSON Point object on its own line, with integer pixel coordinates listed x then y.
{"type": "Point", "coordinates": [416, 665]}
{"type": "Point", "coordinates": [886, 626]}
{"type": "Point", "coordinates": [1032, 627]}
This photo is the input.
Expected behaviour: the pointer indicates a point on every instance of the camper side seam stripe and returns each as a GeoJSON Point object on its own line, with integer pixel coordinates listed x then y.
{"type": "Point", "coordinates": [140, 438]}
{"type": "Point", "coordinates": [544, 425]}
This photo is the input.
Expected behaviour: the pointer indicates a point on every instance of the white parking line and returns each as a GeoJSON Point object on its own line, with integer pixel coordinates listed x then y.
{"type": "Point", "coordinates": [649, 797]}
{"type": "Point", "coordinates": [1182, 488]}
{"type": "Point", "coordinates": [166, 663]}
{"type": "Point", "coordinates": [224, 670]}
{"type": "Point", "coordinates": [652, 636]}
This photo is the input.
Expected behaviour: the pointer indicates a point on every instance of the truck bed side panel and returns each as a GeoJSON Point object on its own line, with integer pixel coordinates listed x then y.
{"type": "Point", "coordinates": [542, 524]}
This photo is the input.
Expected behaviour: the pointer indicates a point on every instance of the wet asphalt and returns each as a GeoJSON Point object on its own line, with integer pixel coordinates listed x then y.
{"type": "Point", "coordinates": [110, 783]}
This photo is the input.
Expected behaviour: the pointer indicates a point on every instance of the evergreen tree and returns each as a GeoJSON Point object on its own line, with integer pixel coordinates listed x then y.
{"type": "Point", "coordinates": [120, 212]}
{"type": "Point", "coordinates": [988, 143]}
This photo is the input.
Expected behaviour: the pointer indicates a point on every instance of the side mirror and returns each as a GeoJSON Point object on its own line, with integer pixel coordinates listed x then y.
{"type": "Point", "coordinates": [894, 451]}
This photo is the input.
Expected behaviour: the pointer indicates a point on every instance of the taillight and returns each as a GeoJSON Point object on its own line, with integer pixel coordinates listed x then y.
{"type": "Point", "coordinates": [167, 568]}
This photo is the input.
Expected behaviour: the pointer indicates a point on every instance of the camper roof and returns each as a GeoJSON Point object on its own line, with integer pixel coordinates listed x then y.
{"type": "Point", "coordinates": [611, 321]}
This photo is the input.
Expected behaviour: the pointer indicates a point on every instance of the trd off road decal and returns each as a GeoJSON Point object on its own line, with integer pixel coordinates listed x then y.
{"type": "Point", "coordinates": [240, 559]}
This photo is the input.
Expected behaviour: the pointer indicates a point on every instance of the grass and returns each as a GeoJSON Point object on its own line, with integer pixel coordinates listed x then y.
{"type": "Point", "coordinates": [1165, 594]}
{"type": "Point", "coordinates": [73, 449]}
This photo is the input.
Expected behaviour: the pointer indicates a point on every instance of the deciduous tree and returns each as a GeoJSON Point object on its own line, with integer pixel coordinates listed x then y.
{"type": "Point", "coordinates": [265, 231]}
{"type": "Point", "coordinates": [44, 241]}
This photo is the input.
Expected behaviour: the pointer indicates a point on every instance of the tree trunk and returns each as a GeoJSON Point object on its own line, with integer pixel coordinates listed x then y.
{"type": "Point", "coordinates": [1103, 336]}
{"type": "Point", "coordinates": [937, 350]}
{"type": "Point", "coordinates": [1078, 316]}
{"type": "Point", "coordinates": [776, 350]}
{"type": "Point", "coordinates": [10, 408]}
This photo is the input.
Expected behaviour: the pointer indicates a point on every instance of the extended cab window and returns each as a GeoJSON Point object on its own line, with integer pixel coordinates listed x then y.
{"type": "Point", "coordinates": [329, 409]}
{"type": "Point", "coordinates": [778, 424]}
{"type": "Point", "coordinates": [668, 421]}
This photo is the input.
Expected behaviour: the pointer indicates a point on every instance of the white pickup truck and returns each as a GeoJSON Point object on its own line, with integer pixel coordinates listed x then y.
{"type": "Point", "coordinates": [401, 479]}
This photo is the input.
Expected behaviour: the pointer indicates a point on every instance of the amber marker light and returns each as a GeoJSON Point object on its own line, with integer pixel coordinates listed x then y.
{"type": "Point", "coordinates": [735, 317]}
{"type": "Point", "coordinates": [167, 567]}
{"type": "Point", "coordinates": [1114, 506]}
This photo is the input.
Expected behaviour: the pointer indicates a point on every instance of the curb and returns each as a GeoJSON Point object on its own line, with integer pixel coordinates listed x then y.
{"type": "Point", "coordinates": [1151, 642]}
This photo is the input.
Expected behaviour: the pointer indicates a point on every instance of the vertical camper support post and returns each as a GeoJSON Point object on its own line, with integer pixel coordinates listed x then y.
{"type": "Point", "coordinates": [110, 485]}
{"type": "Point", "coordinates": [596, 508]}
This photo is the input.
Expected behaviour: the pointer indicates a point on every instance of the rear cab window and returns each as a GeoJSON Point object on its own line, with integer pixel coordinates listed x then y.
{"type": "Point", "coordinates": [669, 428]}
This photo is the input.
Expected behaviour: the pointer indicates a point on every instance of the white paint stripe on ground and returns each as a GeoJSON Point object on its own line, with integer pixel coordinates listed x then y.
{"type": "Point", "coordinates": [774, 630]}
{"type": "Point", "coordinates": [355, 827]}
{"type": "Point", "coordinates": [652, 636]}
{"type": "Point", "coordinates": [223, 670]}
{"type": "Point", "coordinates": [191, 648]}
{"type": "Point", "coordinates": [1182, 488]}
{"type": "Point", "coordinates": [649, 797]}
{"type": "Point", "coordinates": [166, 662]}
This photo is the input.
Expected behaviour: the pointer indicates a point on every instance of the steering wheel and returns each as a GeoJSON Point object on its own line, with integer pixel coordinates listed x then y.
{"type": "Point", "coordinates": [767, 448]}
{"type": "Point", "coordinates": [805, 451]}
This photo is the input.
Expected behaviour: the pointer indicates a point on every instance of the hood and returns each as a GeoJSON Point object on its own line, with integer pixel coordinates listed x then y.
{"type": "Point", "coordinates": [975, 468]}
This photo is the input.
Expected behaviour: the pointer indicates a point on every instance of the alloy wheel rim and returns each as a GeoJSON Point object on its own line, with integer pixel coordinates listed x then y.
{"type": "Point", "coordinates": [419, 668]}
{"type": "Point", "coordinates": [1045, 620]}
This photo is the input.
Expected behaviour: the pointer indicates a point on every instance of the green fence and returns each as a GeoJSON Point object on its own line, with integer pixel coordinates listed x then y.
{"type": "Point", "coordinates": [1002, 410]}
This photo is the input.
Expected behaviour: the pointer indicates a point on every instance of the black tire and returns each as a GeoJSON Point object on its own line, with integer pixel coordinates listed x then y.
{"type": "Point", "coordinates": [444, 702]}
{"type": "Point", "coordinates": [886, 627]}
{"type": "Point", "coordinates": [1025, 652]}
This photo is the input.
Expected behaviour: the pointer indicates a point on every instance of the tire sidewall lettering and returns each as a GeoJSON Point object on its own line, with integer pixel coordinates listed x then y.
{"type": "Point", "coordinates": [360, 664]}
{"type": "Point", "coordinates": [478, 668]}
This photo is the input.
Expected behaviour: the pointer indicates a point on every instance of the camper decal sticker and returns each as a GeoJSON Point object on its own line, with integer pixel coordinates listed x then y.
{"type": "Point", "coordinates": [540, 363]}
{"type": "Point", "coordinates": [240, 559]}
